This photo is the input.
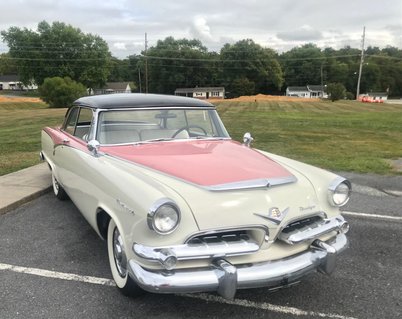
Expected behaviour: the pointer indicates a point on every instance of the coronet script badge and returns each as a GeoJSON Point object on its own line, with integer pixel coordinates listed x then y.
{"type": "Point", "coordinates": [274, 215]}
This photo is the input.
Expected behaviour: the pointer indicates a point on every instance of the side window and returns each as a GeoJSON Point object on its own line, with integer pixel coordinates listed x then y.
{"type": "Point", "coordinates": [83, 124]}
{"type": "Point", "coordinates": [71, 121]}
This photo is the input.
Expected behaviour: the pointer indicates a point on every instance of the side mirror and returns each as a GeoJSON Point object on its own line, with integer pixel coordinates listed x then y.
{"type": "Point", "coordinates": [93, 146]}
{"type": "Point", "coordinates": [247, 139]}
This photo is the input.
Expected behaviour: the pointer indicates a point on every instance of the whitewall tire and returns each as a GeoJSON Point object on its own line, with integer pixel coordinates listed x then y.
{"type": "Point", "coordinates": [58, 191]}
{"type": "Point", "coordinates": [118, 262]}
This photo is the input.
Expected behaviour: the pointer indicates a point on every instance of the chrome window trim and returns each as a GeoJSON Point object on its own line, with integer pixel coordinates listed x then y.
{"type": "Point", "coordinates": [97, 112]}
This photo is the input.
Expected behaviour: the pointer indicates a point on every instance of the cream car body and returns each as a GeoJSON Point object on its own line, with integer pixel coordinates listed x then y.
{"type": "Point", "coordinates": [245, 218]}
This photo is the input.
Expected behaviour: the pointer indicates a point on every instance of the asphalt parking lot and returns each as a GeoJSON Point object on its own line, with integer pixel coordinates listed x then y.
{"type": "Point", "coordinates": [53, 265]}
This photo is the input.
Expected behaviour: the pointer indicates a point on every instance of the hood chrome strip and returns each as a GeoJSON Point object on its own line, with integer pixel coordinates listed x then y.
{"type": "Point", "coordinates": [255, 183]}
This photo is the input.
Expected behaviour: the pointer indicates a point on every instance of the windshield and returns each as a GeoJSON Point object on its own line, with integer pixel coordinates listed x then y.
{"type": "Point", "coordinates": [136, 126]}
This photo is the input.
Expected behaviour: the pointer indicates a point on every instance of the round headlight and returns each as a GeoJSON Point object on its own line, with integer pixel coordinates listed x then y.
{"type": "Point", "coordinates": [339, 192]}
{"type": "Point", "coordinates": [164, 217]}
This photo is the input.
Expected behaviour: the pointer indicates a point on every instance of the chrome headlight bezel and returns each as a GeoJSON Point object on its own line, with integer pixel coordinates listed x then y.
{"type": "Point", "coordinates": [171, 210]}
{"type": "Point", "coordinates": [339, 192]}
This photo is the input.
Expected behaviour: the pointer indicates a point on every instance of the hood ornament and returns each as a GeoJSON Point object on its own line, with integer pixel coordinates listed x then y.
{"type": "Point", "coordinates": [274, 215]}
{"type": "Point", "coordinates": [247, 139]}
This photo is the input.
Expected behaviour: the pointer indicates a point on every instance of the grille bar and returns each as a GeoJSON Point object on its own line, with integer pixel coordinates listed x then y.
{"type": "Point", "coordinates": [308, 231]}
{"type": "Point", "coordinates": [202, 247]}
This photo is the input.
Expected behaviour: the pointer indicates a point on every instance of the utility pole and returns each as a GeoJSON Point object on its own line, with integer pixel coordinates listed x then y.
{"type": "Point", "coordinates": [361, 65]}
{"type": "Point", "coordinates": [146, 63]}
{"type": "Point", "coordinates": [139, 78]}
{"type": "Point", "coordinates": [322, 80]}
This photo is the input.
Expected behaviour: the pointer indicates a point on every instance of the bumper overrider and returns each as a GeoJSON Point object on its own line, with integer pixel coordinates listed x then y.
{"type": "Point", "coordinates": [224, 277]}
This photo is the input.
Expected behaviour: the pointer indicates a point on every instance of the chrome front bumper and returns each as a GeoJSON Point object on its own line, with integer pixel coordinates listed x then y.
{"type": "Point", "coordinates": [226, 278]}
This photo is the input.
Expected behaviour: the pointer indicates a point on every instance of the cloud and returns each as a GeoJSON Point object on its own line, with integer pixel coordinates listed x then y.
{"type": "Point", "coordinates": [304, 33]}
{"type": "Point", "coordinates": [119, 46]}
{"type": "Point", "coordinates": [200, 29]}
{"type": "Point", "coordinates": [276, 24]}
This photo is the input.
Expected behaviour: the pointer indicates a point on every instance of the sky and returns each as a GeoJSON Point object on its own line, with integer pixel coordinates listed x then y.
{"type": "Point", "coordinates": [279, 25]}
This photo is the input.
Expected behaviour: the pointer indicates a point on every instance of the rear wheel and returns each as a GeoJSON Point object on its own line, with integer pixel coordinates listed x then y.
{"type": "Point", "coordinates": [58, 191]}
{"type": "Point", "coordinates": [118, 262]}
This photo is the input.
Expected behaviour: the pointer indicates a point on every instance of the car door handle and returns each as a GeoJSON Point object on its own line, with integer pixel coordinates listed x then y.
{"type": "Point", "coordinates": [66, 140]}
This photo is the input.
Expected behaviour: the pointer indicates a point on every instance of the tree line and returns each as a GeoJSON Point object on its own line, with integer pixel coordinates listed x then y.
{"type": "Point", "coordinates": [243, 68]}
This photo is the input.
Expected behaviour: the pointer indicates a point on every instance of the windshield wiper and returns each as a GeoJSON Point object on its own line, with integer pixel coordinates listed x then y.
{"type": "Point", "coordinates": [162, 139]}
{"type": "Point", "coordinates": [208, 138]}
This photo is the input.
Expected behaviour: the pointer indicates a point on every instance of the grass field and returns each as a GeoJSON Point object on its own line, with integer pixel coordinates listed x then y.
{"type": "Point", "coordinates": [20, 127]}
{"type": "Point", "coordinates": [340, 136]}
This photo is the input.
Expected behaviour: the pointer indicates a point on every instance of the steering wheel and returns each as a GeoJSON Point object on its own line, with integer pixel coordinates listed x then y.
{"type": "Point", "coordinates": [187, 128]}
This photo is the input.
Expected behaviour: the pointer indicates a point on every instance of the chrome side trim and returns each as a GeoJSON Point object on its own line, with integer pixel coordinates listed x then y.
{"type": "Point", "coordinates": [255, 183]}
{"type": "Point", "coordinates": [226, 278]}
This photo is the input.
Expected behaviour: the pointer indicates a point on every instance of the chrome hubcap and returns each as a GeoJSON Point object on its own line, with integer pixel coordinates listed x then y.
{"type": "Point", "coordinates": [119, 254]}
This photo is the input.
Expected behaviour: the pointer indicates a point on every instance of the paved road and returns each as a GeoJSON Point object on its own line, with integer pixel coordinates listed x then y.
{"type": "Point", "coordinates": [46, 240]}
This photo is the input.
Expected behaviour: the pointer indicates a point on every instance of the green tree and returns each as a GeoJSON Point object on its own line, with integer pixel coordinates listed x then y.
{"type": "Point", "coordinates": [61, 92]}
{"type": "Point", "coordinates": [302, 65]}
{"type": "Point", "coordinates": [7, 65]}
{"type": "Point", "coordinates": [247, 60]}
{"type": "Point", "coordinates": [336, 91]}
{"type": "Point", "coordinates": [176, 63]}
{"type": "Point", "coordinates": [243, 86]}
{"type": "Point", "coordinates": [58, 50]}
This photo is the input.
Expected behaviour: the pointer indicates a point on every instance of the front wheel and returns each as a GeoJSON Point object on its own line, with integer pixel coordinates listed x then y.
{"type": "Point", "coordinates": [118, 262]}
{"type": "Point", "coordinates": [58, 191]}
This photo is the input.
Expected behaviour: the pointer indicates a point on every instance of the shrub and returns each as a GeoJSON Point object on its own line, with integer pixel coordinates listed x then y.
{"type": "Point", "coordinates": [336, 91]}
{"type": "Point", "coordinates": [61, 92]}
{"type": "Point", "coordinates": [350, 96]}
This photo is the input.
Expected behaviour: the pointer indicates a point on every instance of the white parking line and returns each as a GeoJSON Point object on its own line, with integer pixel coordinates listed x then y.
{"type": "Point", "coordinates": [58, 275]}
{"type": "Point", "coordinates": [375, 216]}
{"type": "Point", "coordinates": [205, 297]}
{"type": "Point", "coordinates": [265, 306]}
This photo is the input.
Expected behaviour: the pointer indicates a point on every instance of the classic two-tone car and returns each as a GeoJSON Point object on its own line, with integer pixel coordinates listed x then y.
{"type": "Point", "coordinates": [183, 207]}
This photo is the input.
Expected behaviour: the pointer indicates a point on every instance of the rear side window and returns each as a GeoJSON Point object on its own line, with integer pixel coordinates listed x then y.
{"type": "Point", "coordinates": [78, 123]}
{"type": "Point", "coordinates": [71, 121]}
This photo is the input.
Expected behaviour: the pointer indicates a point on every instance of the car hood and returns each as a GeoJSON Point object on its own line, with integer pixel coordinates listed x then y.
{"type": "Point", "coordinates": [193, 168]}
{"type": "Point", "coordinates": [210, 164]}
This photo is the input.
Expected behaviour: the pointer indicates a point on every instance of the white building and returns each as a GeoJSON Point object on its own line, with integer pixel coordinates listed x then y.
{"type": "Point", "coordinates": [114, 87]}
{"type": "Point", "coordinates": [203, 93]}
{"type": "Point", "coordinates": [13, 83]}
{"type": "Point", "coordinates": [308, 91]}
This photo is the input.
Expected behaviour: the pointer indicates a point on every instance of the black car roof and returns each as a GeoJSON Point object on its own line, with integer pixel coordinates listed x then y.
{"type": "Point", "coordinates": [139, 100]}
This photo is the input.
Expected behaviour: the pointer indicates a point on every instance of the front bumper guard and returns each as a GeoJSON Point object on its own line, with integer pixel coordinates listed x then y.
{"type": "Point", "coordinates": [226, 278]}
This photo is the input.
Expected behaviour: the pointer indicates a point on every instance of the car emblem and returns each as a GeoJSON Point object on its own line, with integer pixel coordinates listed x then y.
{"type": "Point", "coordinates": [125, 207]}
{"type": "Point", "coordinates": [274, 215]}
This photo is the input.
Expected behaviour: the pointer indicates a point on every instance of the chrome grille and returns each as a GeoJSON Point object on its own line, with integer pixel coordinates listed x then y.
{"type": "Point", "coordinates": [308, 229]}
{"type": "Point", "coordinates": [300, 224]}
{"type": "Point", "coordinates": [219, 238]}
{"type": "Point", "coordinates": [205, 246]}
